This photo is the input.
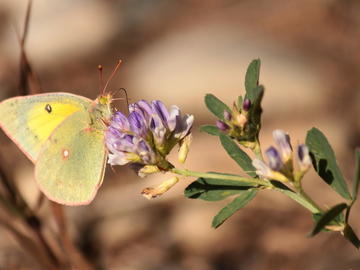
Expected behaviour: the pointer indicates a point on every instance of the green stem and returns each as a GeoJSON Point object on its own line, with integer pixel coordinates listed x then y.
{"type": "Point", "coordinates": [257, 150]}
{"type": "Point", "coordinates": [252, 181]}
{"type": "Point", "coordinates": [300, 191]}
{"type": "Point", "coordinates": [300, 197]}
{"type": "Point", "coordinates": [306, 197]}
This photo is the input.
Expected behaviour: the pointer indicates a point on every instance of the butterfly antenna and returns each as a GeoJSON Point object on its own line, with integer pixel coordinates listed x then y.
{"type": "Point", "coordinates": [126, 98]}
{"type": "Point", "coordinates": [112, 75]}
{"type": "Point", "coordinates": [101, 81]}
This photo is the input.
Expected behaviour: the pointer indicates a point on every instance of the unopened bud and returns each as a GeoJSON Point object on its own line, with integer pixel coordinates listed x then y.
{"type": "Point", "coordinates": [221, 125]}
{"type": "Point", "coordinates": [273, 155]}
{"type": "Point", "coordinates": [227, 115]}
{"type": "Point", "coordinates": [151, 193]}
{"type": "Point", "coordinates": [283, 141]}
{"type": "Point", "coordinates": [246, 104]}
{"type": "Point", "coordinates": [184, 148]}
{"type": "Point", "coordinates": [303, 157]}
{"type": "Point", "coordinates": [241, 120]}
{"type": "Point", "coordinates": [148, 169]}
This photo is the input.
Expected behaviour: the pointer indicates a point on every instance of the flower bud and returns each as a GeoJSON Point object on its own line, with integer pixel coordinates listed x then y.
{"type": "Point", "coordinates": [227, 115]}
{"type": "Point", "coordinates": [283, 142]}
{"type": "Point", "coordinates": [275, 162]}
{"type": "Point", "coordinates": [265, 171]}
{"type": "Point", "coordinates": [221, 125]}
{"type": "Point", "coordinates": [151, 193]}
{"type": "Point", "coordinates": [240, 120]}
{"type": "Point", "coordinates": [303, 157]}
{"type": "Point", "coordinates": [184, 148]}
{"type": "Point", "coordinates": [246, 104]}
{"type": "Point", "coordinates": [148, 169]}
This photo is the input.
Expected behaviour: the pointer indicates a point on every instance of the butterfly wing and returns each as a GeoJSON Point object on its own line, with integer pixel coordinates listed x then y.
{"type": "Point", "coordinates": [71, 164]}
{"type": "Point", "coordinates": [30, 120]}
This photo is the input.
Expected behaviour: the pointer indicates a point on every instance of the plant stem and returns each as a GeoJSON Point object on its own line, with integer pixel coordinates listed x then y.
{"type": "Point", "coordinates": [306, 197]}
{"type": "Point", "coordinates": [300, 196]}
{"type": "Point", "coordinates": [252, 181]}
{"type": "Point", "coordinates": [257, 150]}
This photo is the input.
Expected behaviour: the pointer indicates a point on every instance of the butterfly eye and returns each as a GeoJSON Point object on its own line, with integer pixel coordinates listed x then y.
{"type": "Point", "coordinates": [48, 108]}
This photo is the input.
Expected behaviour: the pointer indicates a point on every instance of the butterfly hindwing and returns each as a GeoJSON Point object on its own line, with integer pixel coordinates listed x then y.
{"type": "Point", "coordinates": [71, 163]}
{"type": "Point", "coordinates": [30, 120]}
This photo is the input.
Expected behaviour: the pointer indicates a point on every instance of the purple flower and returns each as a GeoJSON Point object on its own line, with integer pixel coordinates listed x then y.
{"type": "Point", "coordinates": [262, 169]}
{"type": "Point", "coordinates": [280, 160]}
{"type": "Point", "coordinates": [147, 135]}
{"type": "Point", "coordinates": [303, 157]}
{"type": "Point", "coordinates": [160, 110]}
{"type": "Point", "coordinates": [283, 142]}
{"type": "Point", "coordinates": [275, 162]}
{"type": "Point", "coordinates": [138, 123]}
{"type": "Point", "coordinates": [141, 106]}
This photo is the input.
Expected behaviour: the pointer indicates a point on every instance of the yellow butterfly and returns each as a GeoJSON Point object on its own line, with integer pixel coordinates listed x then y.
{"type": "Point", "coordinates": [63, 135]}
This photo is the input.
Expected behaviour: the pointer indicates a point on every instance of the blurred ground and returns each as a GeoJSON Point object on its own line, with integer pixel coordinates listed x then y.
{"type": "Point", "coordinates": [177, 51]}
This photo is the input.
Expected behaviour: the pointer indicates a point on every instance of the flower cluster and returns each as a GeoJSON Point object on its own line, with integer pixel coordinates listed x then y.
{"type": "Point", "coordinates": [146, 136]}
{"type": "Point", "coordinates": [234, 122]}
{"type": "Point", "coordinates": [240, 123]}
{"type": "Point", "coordinates": [281, 160]}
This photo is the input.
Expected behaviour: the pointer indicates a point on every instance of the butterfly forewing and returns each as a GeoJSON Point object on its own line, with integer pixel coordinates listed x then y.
{"type": "Point", "coordinates": [30, 120]}
{"type": "Point", "coordinates": [71, 163]}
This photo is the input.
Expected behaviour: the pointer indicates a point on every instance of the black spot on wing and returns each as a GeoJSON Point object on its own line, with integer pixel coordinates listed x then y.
{"type": "Point", "coordinates": [48, 108]}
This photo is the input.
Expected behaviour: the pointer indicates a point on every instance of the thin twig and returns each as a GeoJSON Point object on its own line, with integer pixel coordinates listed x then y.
{"type": "Point", "coordinates": [76, 258]}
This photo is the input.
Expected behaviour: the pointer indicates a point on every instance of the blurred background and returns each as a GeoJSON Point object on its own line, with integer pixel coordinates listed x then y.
{"type": "Point", "coordinates": [177, 51]}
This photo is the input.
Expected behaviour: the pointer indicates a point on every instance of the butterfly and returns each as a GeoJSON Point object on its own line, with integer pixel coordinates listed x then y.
{"type": "Point", "coordinates": [63, 135]}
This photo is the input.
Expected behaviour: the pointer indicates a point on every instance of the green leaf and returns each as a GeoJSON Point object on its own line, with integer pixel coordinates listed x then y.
{"type": "Point", "coordinates": [325, 163]}
{"type": "Point", "coordinates": [328, 217]}
{"type": "Point", "coordinates": [210, 129]}
{"type": "Point", "coordinates": [255, 110]}
{"type": "Point", "coordinates": [357, 175]}
{"type": "Point", "coordinates": [240, 102]}
{"type": "Point", "coordinates": [214, 189]}
{"type": "Point", "coordinates": [351, 236]}
{"type": "Point", "coordinates": [294, 196]}
{"type": "Point", "coordinates": [252, 78]}
{"type": "Point", "coordinates": [339, 219]}
{"type": "Point", "coordinates": [238, 203]}
{"type": "Point", "coordinates": [240, 157]}
{"type": "Point", "coordinates": [216, 106]}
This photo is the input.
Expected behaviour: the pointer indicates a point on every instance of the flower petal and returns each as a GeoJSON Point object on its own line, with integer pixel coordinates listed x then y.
{"type": "Point", "coordinates": [120, 121]}
{"type": "Point", "coordinates": [283, 142]}
{"type": "Point", "coordinates": [174, 114]}
{"type": "Point", "coordinates": [273, 155]}
{"type": "Point", "coordinates": [303, 157]}
{"type": "Point", "coordinates": [161, 111]}
{"type": "Point", "coordinates": [261, 168]}
{"type": "Point", "coordinates": [137, 123]}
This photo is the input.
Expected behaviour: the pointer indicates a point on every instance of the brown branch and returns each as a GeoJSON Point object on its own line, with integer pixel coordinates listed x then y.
{"type": "Point", "coordinates": [74, 255]}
